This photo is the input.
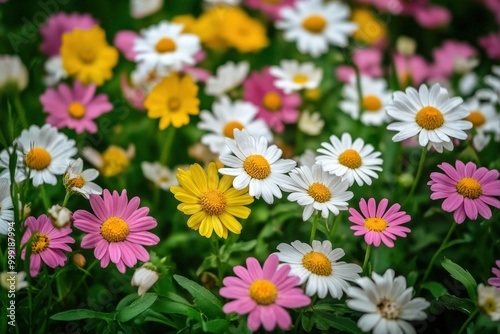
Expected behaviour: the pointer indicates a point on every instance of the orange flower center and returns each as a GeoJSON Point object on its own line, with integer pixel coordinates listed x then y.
{"type": "Point", "coordinates": [40, 242]}
{"type": "Point", "coordinates": [375, 224]}
{"type": "Point", "coordinates": [272, 101]}
{"type": "Point", "coordinates": [114, 229]}
{"type": "Point", "coordinates": [76, 110]}
{"type": "Point", "coordinates": [229, 128]}
{"type": "Point", "coordinates": [87, 57]}
{"type": "Point", "coordinates": [350, 158]}
{"type": "Point", "coordinates": [165, 45]}
{"type": "Point", "coordinates": [476, 118]}
{"type": "Point", "coordinates": [213, 202]}
{"type": "Point", "coordinates": [317, 263]}
{"type": "Point", "coordinates": [319, 192]}
{"type": "Point", "coordinates": [469, 188]}
{"type": "Point", "coordinates": [429, 118]}
{"type": "Point", "coordinates": [76, 182]}
{"type": "Point", "coordinates": [314, 23]}
{"type": "Point", "coordinates": [257, 166]}
{"type": "Point", "coordinates": [37, 158]}
{"type": "Point", "coordinates": [372, 103]}
{"type": "Point", "coordinates": [263, 292]}
{"type": "Point", "coordinates": [174, 103]}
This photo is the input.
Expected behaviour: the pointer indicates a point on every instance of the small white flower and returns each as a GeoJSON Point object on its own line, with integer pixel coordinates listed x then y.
{"type": "Point", "coordinates": [160, 175]}
{"type": "Point", "coordinates": [485, 120]}
{"type": "Point", "coordinates": [55, 71]}
{"type": "Point", "coordinates": [228, 77]}
{"type": "Point", "coordinates": [78, 180]}
{"type": "Point", "coordinates": [144, 278]}
{"type": "Point", "coordinates": [13, 73]}
{"type": "Point", "coordinates": [315, 189]}
{"type": "Point", "coordinates": [317, 266]}
{"type": "Point", "coordinates": [310, 123]}
{"type": "Point", "coordinates": [60, 216]}
{"type": "Point", "coordinates": [6, 206]}
{"type": "Point", "coordinates": [143, 8]}
{"type": "Point", "coordinates": [493, 81]}
{"type": "Point", "coordinates": [467, 83]}
{"type": "Point", "coordinates": [256, 165]}
{"type": "Point", "coordinates": [353, 161]}
{"type": "Point", "coordinates": [18, 280]}
{"type": "Point", "coordinates": [314, 25]}
{"type": "Point", "coordinates": [429, 113]}
{"type": "Point", "coordinates": [387, 304]}
{"type": "Point", "coordinates": [293, 76]}
{"type": "Point", "coordinates": [488, 298]}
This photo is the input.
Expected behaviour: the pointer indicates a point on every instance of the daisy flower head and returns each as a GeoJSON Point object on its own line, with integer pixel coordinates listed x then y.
{"type": "Point", "coordinates": [212, 203]}
{"type": "Point", "coordinates": [387, 304]}
{"type": "Point", "coordinates": [173, 100]}
{"type": "Point", "coordinates": [484, 119]}
{"type": "Point", "coordinates": [317, 266]}
{"type": "Point", "coordinates": [118, 230]}
{"type": "Point", "coordinates": [226, 78]}
{"type": "Point", "coordinates": [310, 123]}
{"type": "Point", "coordinates": [74, 108]}
{"type": "Point", "coordinates": [255, 165]}
{"type": "Point", "coordinates": [48, 243]}
{"type": "Point", "coordinates": [87, 56]}
{"type": "Point", "coordinates": [6, 206]}
{"type": "Point", "coordinates": [78, 180]}
{"type": "Point", "coordinates": [495, 281]}
{"type": "Point", "coordinates": [467, 190]}
{"type": "Point", "coordinates": [293, 76]}
{"type": "Point", "coordinates": [13, 74]}
{"type": "Point", "coordinates": [488, 299]}
{"type": "Point", "coordinates": [275, 107]}
{"type": "Point", "coordinates": [315, 189]}
{"type": "Point", "coordinates": [375, 98]}
{"type": "Point", "coordinates": [113, 161]}
{"type": "Point", "coordinates": [379, 224]}
{"type": "Point", "coordinates": [160, 175]}
{"type": "Point", "coordinates": [165, 46]}
{"type": "Point", "coordinates": [314, 25]}
{"type": "Point", "coordinates": [263, 293]}
{"type": "Point", "coordinates": [353, 161]}
{"type": "Point", "coordinates": [430, 113]}
{"type": "Point", "coordinates": [226, 117]}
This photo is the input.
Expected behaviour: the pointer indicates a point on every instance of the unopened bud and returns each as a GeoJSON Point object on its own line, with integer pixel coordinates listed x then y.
{"type": "Point", "coordinates": [79, 260]}
{"type": "Point", "coordinates": [406, 46]}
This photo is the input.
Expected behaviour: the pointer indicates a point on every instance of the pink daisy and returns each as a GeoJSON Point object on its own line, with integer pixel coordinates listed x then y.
{"type": "Point", "coordinates": [495, 281]}
{"type": "Point", "coordinates": [271, 8]}
{"type": "Point", "coordinates": [446, 55]}
{"type": "Point", "coordinates": [118, 230]}
{"type": "Point", "coordinates": [468, 190]}
{"type": "Point", "coordinates": [369, 62]}
{"type": "Point", "coordinates": [491, 43]}
{"type": "Point", "coordinates": [48, 243]}
{"type": "Point", "coordinates": [377, 224]}
{"type": "Point", "coordinates": [57, 25]}
{"type": "Point", "coordinates": [74, 108]}
{"type": "Point", "coordinates": [275, 107]}
{"type": "Point", "coordinates": [263, 293]}
{"type": "Point", "coordinates": [412, 71]}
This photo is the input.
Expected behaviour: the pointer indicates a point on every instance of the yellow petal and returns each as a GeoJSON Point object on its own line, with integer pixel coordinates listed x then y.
{"type": "Point", "coordinates": [213, 176]}
{"type": "Point", "coordinates": [231, 223]}
{"type": "Point", "coordinates": [238, 211]}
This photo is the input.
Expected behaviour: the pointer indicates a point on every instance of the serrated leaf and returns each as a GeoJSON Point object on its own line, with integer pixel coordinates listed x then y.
{"type": "Point", "coordinates": [436, 289]}
{"type": "Point", "coordinates": [204, 299]}
{"type": "Point", "coordinates": [137, 307]}
{"type": "Point", "coordinates": [458, 304]}
{"type": "Point", "coordinates": [461, 275]}
{"type": "Point", "coordinates": [72, 315]}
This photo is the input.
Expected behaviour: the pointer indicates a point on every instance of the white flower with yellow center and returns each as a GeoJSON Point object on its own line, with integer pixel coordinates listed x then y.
{"type": "Point", "coordinates": [79, 181]}
{"type": "Point", "coordinates": [164, 46]}
{"type": "Point", "coordinates": [375, 98]}
{"type": "Point", "coordinates": [387, 304]}
{"type": "Point", "coordinates": [488, 299]}
{"type": "Point", "coordinates": [485, 120]}
{"type": "Point", "coordinates": [6, 206]}
{"type": "Point", "coordinates": [314, 25]}
{"type": "Point", "coordinates": [160, 175]}
{"type": "Point", "coordinates": [228, 77]}
{"type": "Point", "coordinates": [293, 76]}
{"type": "Point", "coordinates": [256, 165]}
{"type": "Point", "coordinates": [353, 161]}
{"type": "Point", "coordinates": [431, 114]}
{"type": "Point", "coordinates": [318, 268]}
{"type": "Point", "coordinates": [315, 189]}
{"type": "Point", "coordinates": [226, 117]}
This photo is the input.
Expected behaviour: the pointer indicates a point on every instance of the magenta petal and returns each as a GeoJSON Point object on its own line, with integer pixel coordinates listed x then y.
{"type": "Point", "coordinates": [240, 306]}
{"type": "Point", "coordinates": [452, 203]}
{"type": "Point", "coordinates": [268, 317]}
{"type": "Point", "coordinates": [270, 266]}
{"type": "Point", "coordinates": [253, 321]}
{"type": "Point", "coordinates": [470, 209]}
{"type": "Point", "coordinates": [124, 41]}
{"type": "Point", "coordinates": [254, 268]}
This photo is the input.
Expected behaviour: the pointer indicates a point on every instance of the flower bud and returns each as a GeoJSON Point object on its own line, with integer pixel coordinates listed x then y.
{"type": "Point", "coordinates": [60, 216]}
{"type": "Point", "coordinates": [79, 260]}
{"type": "Point", "coordinates": [144, 277]}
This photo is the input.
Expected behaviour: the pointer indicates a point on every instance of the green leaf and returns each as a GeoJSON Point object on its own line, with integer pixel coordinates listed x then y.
{"type": "Point", "coordinates": [72, 315]}
{"type": "Point", "coordinates": [209, 262]}
{"type": "Point", "coordinates": [458, 304]}
{"type": "Point", "coordinates": [461, 275]}
{"type": "Point", "coordinates": [137, 307]}
{"type": "Point", "coordinates": [127, 300]}
{"type": "Point", "coordinates": [436, 289]}
{"type": "Point", "coordinates": [216, 326]}
{"type": "Point", "coordinates": [325, 321]}
{"type": "Point", "coordinates": [172, 307]}
{"type": "Point", "coordinates": [160, 318]}
{"type": "Point", "coordinates": [204, 299]}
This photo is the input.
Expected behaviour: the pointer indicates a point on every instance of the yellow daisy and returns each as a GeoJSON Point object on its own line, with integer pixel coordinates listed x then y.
{"type": "Point", "coordinates": [212, 203]}
{"type": "Point", "coordinates": [243, 32]}
{"type": "Point", "coordinates": [87, 56]}
{"type": "Point", "coordinates": [173, 100]}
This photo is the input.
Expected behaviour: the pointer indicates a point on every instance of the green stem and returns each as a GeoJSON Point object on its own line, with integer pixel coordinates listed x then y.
{"type": "Point", "coordinates": [314, 226]}
{"type": "Point", "coordinates": [20, 111]}
{"type": "Point", "coordinates": [336, 224]}
{"type": "Point", "coordinates": [417, 177]}
{"type": "Point", "coordinates": [167, 144]}
{"type": "Point", "coordinates": [216, 250]}
{"type": "Point", "coordinates": [469, 319]}
{"type": "Point", "coordinates": [45, 199]}
{"type": "Point", "coordinates": [66, 198]}
{"type": "Point", "coordinates": [367, 260]}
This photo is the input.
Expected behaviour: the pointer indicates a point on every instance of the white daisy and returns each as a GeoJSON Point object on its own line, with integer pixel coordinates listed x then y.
{"type": "Point", "coordinates": [317, 266]}
{"type": "Point", "coordinates": [488, 299]}
{"type": "Point", "coordinates": [429, 113]}
{"type": "Point", "coordinates": [42, 154]}
{"type": "Point", "coordinates": [484, 119]}
{"type": "Point", "coordinates": [226, 117]}
{"type": "Point", "coordinates": [293, 76]}
{"type": "Point", "coordinates": [160, 175]}
{"type": "Point", "coordinates": [353, 161]}
{"type": "Point", "coordinates": [78, 180]}
{"type": "Point", "coordinates": [164, 46]}
{"type": "Point", "coordinates": [315, 189]}
{"type": "Point", "coordinates": [256, 165]}
{"type": "Point", "coordinates": [55, 71]}
{"type": "Point", "coordinates": [310, 123]}
{"type": "Point", "coordinates": [493, 81]}
{"type": "Point", "coordinates": [375, 98]}
{"type": "Point", "coordinates": [143, 8]}
{"type": "Point", "coordinates": [228, 77]}
{"type": "Point", "coordinates": [13, 73]}
{"type": "Point", "coordinates": [308, 158]}
{"type": "Point", "coordinates": [387, 304]}
{"type": "Point", "coordinates": [6, 206]}
{"type": "Point", "coordinates": [314, 24]}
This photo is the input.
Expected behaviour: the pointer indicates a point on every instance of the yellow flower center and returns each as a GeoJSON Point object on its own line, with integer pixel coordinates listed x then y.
{"type": "Point", "coordinates": [40, 242]}
{"type": "Point", "coordinates": [37, 158]}
{"type": "Point", "coordinates": [263, 292]}
{"type": "Point", "coordinates": [76, 110]}
{"type": "Point", "coordinates": [174, 103]}
{"type": "Point", "coordinates": [314, 23]}
{"type": "Point", "coordinates": [317, 263]}
{"type": "Point", "coordinates": [388, 309]}
{"type": "Point", "coordinates": [165, 45]}
{"type": "Point", "coordinates": [490, 306]}
{"type": "Point", "coordinates": [375, 224]}
{"type": "Point", "coordinates": [114, 161]}
{"type": "Point", "coordinates": [257, 166]}
{"type": "Point", "coordinates": [476, 118]}
{"type": "Point", "coordinates": [87, 56]}
{"type": "Point", "coordinates": [319, 192]}
{"type": "Point", "coordinates": [429, 118]}
{"type": "Point", "coordinates": [213, 202]}
{"type": "Point", "coordinates": [114, 229]}
{"type": "Point", "coordinates": [229, 128]}
{"type": "Point", "coordinates": [300, 78]}
{"type": "Point", "coordinates": [372, 103]}
{"type": "Point", "coordinates": [350, 158]}
{"type": "Point", "coordinates": [272, 101]}
{"type": "Point", "coordinates": [469, 188]}
{"type": "Point", "coordinates": [76, 182]}
{"type": "Point", "coordinates": [313, 94]}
